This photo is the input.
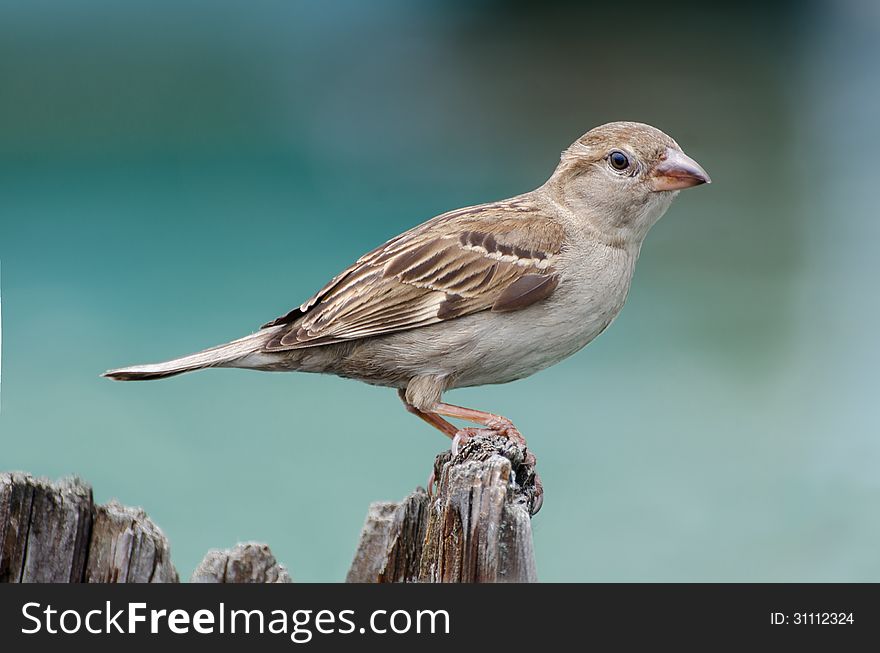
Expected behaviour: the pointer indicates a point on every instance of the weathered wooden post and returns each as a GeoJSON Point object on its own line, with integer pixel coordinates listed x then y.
{"type": "Point", "coordinates": [475, 528]}
{"type": "Point", "coordinates": [54, 533]}
{"type": "Point", "coordinates": [248, 562]}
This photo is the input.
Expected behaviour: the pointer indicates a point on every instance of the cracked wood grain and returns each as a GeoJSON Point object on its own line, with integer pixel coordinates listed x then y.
{"type": "Point", "coordinates": [248, 562]}
{"type": "Point", "coordinates": [127, 547]}
{"type": "Point", "coordinates": [54, 533]}
{"type": "Point", "coordinates": [475, 529]}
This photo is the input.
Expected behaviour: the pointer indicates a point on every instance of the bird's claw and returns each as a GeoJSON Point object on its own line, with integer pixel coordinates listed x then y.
{"type": "Point", "coordinates": [504, 427]}
{"type": "Point", "coordinates": [457, 440]}
{"type": "Point", "coordinates": [538, 496]}
{"type": "Point", "coordinates": [464, 435]}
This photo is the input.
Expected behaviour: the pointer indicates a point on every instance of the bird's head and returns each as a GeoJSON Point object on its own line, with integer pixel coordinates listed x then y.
{"type": "Point", "coordinates": [621, 177]}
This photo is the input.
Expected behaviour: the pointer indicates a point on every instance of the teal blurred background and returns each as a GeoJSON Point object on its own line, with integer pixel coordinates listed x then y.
{"type": "Point", "coordinates": [173, 174]}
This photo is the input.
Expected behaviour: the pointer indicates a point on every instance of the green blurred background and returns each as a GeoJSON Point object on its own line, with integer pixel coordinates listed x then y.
{"type": "Point", "coordinates": [173, 174]}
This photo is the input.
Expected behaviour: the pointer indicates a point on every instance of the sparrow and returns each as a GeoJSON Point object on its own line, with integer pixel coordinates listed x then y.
{"type": "Point", "coordinates": [484, 294]}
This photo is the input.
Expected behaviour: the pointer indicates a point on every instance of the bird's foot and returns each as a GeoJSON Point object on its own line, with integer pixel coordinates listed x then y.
{"type": "Point", "coordinates": [462, 436]}
{"type": "Point", "coordinates": [536, 491]}
{"type": "Point", "coordinates": [538, 496]}
{"type": "Point", "coordinates": [504, 427]}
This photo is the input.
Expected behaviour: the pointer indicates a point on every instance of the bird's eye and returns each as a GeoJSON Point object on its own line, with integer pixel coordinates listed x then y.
{"type": "Point", "coordinates": [618, 160]}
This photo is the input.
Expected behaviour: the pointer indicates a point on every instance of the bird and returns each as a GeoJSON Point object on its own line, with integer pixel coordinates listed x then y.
{"type": "Point", "coordinates": [485, 294]}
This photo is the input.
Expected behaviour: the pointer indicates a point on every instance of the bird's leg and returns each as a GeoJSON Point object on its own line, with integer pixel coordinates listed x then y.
{"type": "Point", "coordinates": [497, 423]}
{"type": "Point", "coordinates": [494, 424]}
{"type": "Point", "coordinates": [447, 428]}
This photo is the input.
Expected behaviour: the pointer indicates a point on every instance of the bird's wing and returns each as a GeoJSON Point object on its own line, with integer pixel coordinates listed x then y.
{"type": "Point", "coordinates": [495, 256]}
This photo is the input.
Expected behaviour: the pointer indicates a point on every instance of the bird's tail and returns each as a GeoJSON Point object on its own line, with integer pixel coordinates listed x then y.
{"type": "Point", "coordinates": [220, 356]}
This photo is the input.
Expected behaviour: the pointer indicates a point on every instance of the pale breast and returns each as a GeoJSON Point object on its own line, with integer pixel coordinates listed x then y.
{"type": "Point", "coordinates": [586, 302]}
{"type": "Point", "coordinates": [489, 347]}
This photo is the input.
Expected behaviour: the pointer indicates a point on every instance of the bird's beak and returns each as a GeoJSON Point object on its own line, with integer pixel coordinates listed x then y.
{"type": "Point", "coordinates": [677, 170]}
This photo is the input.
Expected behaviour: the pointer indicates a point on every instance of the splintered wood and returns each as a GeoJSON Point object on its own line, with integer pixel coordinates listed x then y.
{"type": "Point", "coordinates": [54, 533]}
{"type": "Point", "coordinates": [475, 529]}
{"type": "Point", "coordinates": [248, 562]}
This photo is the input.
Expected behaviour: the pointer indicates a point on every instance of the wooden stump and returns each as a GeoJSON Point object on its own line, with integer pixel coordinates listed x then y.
{"type": "Point", "coordinates": [390, 548]}
{"type": "Point", "coordinates": [249, 562]}
{"type": "Point", "coordinates": [54, 533]}
{"type": "Point", "coordinates": [477, 528]}
{"type": "Point", "coordinates": [127, 547]}
{"type": "Point", "coordinates": [44, 529]}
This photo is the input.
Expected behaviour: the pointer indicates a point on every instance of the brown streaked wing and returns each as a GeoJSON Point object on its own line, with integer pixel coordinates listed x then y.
{"type": "Point", "coordinates": [497, 256]}
{"type": "Point", "coordinates": [526, 290]}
